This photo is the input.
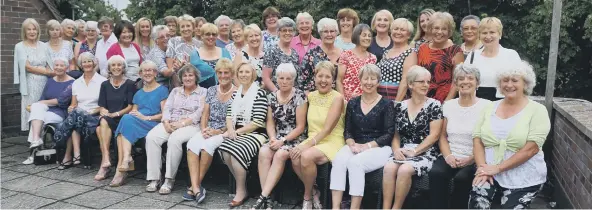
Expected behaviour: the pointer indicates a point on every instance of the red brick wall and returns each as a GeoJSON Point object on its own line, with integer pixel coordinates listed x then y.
{"type": "Point", "coordinates": [572, 162]}
{"type": "Point", "coordinates": [14, 12]}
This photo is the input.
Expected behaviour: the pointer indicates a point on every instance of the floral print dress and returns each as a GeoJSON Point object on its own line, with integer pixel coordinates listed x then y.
{"type": "Point", "coordinates": [412, 133]}
{"type": "Point", "coordinates": [353, 64]}
{"type": "Point", "coordinates": [309, 62]}
{"type": "Point", "coordinates": [284, 116]}
{"type": "Point", "coordinates": [274, 56]}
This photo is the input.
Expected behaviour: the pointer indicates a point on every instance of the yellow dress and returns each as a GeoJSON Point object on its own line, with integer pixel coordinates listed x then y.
{"type": "Point", "coordinates": [318, 109]}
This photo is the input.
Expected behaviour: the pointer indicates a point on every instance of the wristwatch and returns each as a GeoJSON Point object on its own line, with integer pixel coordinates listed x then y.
{"type": "Point", "coordinates": [283, 139]}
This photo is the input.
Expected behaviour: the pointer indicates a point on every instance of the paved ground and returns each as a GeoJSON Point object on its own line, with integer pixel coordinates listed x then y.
{"type": "Point", "coordinates": [32, 187]}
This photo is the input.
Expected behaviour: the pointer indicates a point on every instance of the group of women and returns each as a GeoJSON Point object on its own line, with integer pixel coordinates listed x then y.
{"type": "Point", "coordinates": [362, 97]}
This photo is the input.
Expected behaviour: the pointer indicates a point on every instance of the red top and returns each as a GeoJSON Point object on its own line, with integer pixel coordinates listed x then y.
{"type": "Point", "coordinates": [115, 49]}
{"type": "Point", "coordinates": [440, 63]}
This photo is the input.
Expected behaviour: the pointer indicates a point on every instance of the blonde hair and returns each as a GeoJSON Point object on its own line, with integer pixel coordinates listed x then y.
{"type": "Point", "coordinates": [225, 63]}
{"type": "Point", "coordinates": [327, 65]}
{"type": "Point", "coordinates": [405, 22]}
{"type": "Point", "coordinates": [53, 24]}
{"type": "Point", "coordinates": [420, 33]}
{"type": "Point", "coordinates": [252, 28]}
{"type": "Point", "coordinates": [185, 17]}
{"type": "Point", "coordinates": [30, 21]}
{"type": "Point", "coordinates": [208, 27]}
{"type": "Point", "coordinates": [348, 13]}
{"type": "Point", "coordinates": [491, 22]}
{"type": "Point", "coordinates": [388, 14]}
{"type": "Point", "coordinates": [446, 18]}
{"type": "Point", "coordinates": [138, 38]}
{"type": "Point", "coordinates": [253, 71]}
{"type": "Point", "coordinates": [415, 72]}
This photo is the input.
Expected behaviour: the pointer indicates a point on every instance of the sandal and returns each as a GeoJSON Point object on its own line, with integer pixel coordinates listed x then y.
{"type": "Point", "coordinates": [118, 183]}
{"type": "Point", "coordinates": [261, 203]}
{"type": "Point", "coordinates": [100, 176]}
{"type": "Point", "coordinates": [167, 187]}
{"type": "Point", "coordinates": [76, 160]}
{"type": "Point", "coordinates": [129, 167]}
{"type": "Point", "coordinates": [153, 186]}
{"type": "Point", "coordinates": [234, 203]}
{"type": "Point", "coordinates": [306, 204]}
{"type": "Point", "coordinates": [65, 165]}
{"type": "Point", "coordinates": [189, 195]}
{"type": "Point", "coordinates": [316, 202]}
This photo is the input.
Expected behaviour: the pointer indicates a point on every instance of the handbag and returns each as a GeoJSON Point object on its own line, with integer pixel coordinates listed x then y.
{"type": "Point", "coordinates": [44, 157]}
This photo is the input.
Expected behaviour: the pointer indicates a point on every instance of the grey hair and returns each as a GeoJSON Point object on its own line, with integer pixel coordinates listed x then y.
{"type": "Point", "coordinates": [220, 18]}
{"type": "Point", "coordinates": [91, 25]}
{"type": "Point", "coordinates": [53, 24]}
{"type": "Point", "coordinates": [304, 15]}
{"type": "Point", "coordinates": [415, 72]}
{"type": "Point", "coordinates": [114, 59]}
{"type": "Point", "coordinates": [469, 17]}
{"type": "Point", "coordinates": [358, 32]}
{"type": "Point", "coordinates": [189, 68]}
{"type": "Point", "coordinates": [86, 56]}
{"type": "Point", "coordinates": [66, 61]}
{"type": "Point", "coordinates": [464, 69]}
{"type": "Point", "coordinates": [287, 68]}
{"type": "Point", "coordinates": [67, 21]}
{"type": "Point", "coordinates": [237, 22]}
{"type": "Point", "coordinates": [522, 69]}
{"type": "Point", "coordinates": [286, 22]}
{"type": "Point", "coordinates": [156, 30]}
{"type": "Point", "coordinates": [79, 21]}
{"type": "Point", "coordinates": [148, 64]}
{"type": "Point", "coordinates": [185, 17]}
{"type": "Point", "coordinates": [370, 69]}
{"type": "Point", "coordinates": [327, 22]}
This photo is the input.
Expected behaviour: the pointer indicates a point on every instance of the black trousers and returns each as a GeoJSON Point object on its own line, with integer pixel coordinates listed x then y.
{"type": "Point", "coordinates": [440, 177]}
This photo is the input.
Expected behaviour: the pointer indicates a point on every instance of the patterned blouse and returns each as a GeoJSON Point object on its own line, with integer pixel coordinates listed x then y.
{"type": "Point", "coordinates": [418, 43]}
{"type": "Point", "coordinates": [284, 115]}
{"type": "Point", "coordinates": [179, 106]}
{"type": "Point", "coordinates": [376, 125]}
{"type": "Point", "coordinates": [64, 52]}
{"type": "Point", "coordinates": [440, 63]}
{"type": "Point", "coordinates": [179, 49]}
{"type": "Point", "coordinates": [351, 83]}
{"type": "Point", "coordinates": [269, 40]}
{"type": "Point", "coordinates": [274, 56]}
{"type": "Point", "coordinates": [414, 132]}
{"type": "Point", "coordinates": [391, 70]}
{"type": "Point", "coordinates": [309, 62]}
{"type": "Point", "coordinates": [84, 47]}
{"type": "Point", "coordinates": [217, 118]}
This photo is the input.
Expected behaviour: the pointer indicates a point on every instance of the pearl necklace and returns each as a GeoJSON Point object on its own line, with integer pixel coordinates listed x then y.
{"type": "Point", "coordinates": [229, 90]}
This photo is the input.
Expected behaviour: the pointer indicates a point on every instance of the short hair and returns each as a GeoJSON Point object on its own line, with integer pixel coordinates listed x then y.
{"type": "Point", "coordinates": [225, 63]}
{"type": "Point", "coordinates": [78, 22]}
{"type": "Point", "coordinates": [148, 64]}
{"type": "Point", "coordinates": [326, 65]}
{"type": "Point", "coordinates": [420, 33]}
{"type": "Point", "coordinates": [287, 68]}
{"type": "Point", "coordinates": [114, 59]}
{"type": "Point", "coordinates": [91, 25]}
{"type": "Point", "coordinates": [106, 20]}
{"type": "Point", "coordinates": [405, 22]}
{"type": "Point", "coordinates": [189, 68]}
{"type": "Point", "coordinates": [415, 72]}
{"type": "Point", "coordinates": [388, 14]}
{"type": "Point", "coordinates": [469, 17]}
{"type": "Point", "coordinates": [327, 22]}
{"type": "Point", "coordinates": [348, 13]}
{"type": "Point", "coordinates": [253, 70]}
{"type": "Point", "coordinates": [196, 20]}
{"type": "Point", "coordinates": [120, 26]}
{"type": "Point", "coordinates": [157, 30]}
{"type": "Point", "coordinates": [66, 61]}
{"type": "Point", "coordinates": [67, 21]}
{"type": "Point", "coordinates": [30, 21]}
{"type": "Point", "coordinates": [86, 56]}
{"type": "Point", "coordinates": [185, 17]}
{"type": "Point", "coordinates": [522, 69]}
{"type": "Point", "coordinates": [286, 22]}
{"type": "Point", "coordinates": [370, 69]}
{"type": "Point", "coordinates": [220, 18]}
{"type": "Point", "coordinates": [239, 22]}
{"type": "Point", "coordinates": [466, 69]}
{"type": "Point", "coordinates": [208, 28]}
{"type": "Point", "coordinates": [305, 15]}
{"type": "Point", "coordinates": [170, 19]}
{"type": "Point", "coordinates": [270, 11]}
{"type": "Point", "coordinates": [53, 24]}
{"type": "Point", "coordinates": [251, 28]}
{"type": "Point", "coordinates": [358, 32]}
{"type": "Point", "coordinates": [447, 19]}
{"type": "Point", "coordinates": [491, 22]}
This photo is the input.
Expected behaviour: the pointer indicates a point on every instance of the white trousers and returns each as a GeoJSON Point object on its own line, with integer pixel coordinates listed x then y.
{"type": "Point", "coordinates": [198, 143]}
{"type": "Point", "coordinates": [154, 140]}
{"type": "Point", "coordinates": [357, 165]}
{"type": "Point", "coordinates": [39, 112]}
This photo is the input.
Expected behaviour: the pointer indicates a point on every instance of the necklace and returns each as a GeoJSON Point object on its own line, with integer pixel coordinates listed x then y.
{"type": "Point", "coordinates": [372, 102]}
{"type": "Point", "coordinates": [226, 93]}
{"type": "Point", "coordinates": [285, 100]}
{"type": "Point", "coordinates": [116, 86]}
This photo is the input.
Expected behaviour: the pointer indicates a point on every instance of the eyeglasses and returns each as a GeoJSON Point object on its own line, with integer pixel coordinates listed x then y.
{"type": "Point", "coordinates": [427, 82]}
{"type": "Point", "coordinates": [287, 30]}
{"type": "Point", "coordinates": [329, 31]}
{"type": "Point", "coordinates": [210, 34]}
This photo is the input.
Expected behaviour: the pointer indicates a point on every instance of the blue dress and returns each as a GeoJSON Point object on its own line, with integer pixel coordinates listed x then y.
{"type": "Point", "coordinates": [132, 127]}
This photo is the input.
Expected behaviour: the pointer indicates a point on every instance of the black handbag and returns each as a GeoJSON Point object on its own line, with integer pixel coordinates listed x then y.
{"type": "Point", "coordinates": [44, 157]}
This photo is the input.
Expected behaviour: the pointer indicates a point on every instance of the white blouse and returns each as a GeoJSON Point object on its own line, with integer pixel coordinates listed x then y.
{"type": "Point", "coordinates": [460, 125]}
{"type": "Point", "coordinates": [87, 96]}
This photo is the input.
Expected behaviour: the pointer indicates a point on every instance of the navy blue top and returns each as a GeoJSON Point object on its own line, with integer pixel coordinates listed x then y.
{"type": "Point", "coordinates": [116, 99]}
{"type": "Point", "coordinates": [378, 51]}
{"type": "Point", "coordinates": [62, 91]}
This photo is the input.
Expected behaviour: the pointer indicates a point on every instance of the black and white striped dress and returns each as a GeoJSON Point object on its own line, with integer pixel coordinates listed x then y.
{"type": "Point", "coordinates": [246, 146]}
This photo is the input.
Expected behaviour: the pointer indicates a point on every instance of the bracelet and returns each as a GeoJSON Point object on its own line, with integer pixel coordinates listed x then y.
{"type": "Point", "coordinates": [314, 141]}
{"type": "Point", "coordinates": [369, 145]}
{"type": "Point", "coordinates": [149, 118]}
{"type": "Point", "coordinates": [117, 113]}
{"type": "Point", "coordinates": [447, 156]}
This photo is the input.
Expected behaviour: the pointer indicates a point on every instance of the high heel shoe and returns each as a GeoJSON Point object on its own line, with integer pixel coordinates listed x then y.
{"type": "Point", "coordinates": [76, 160]}
{"type": "Point", "coordinates": [65, 165]}
{"type": "Point", "coordinates": [118, 183]}
{"type": "Point", "coordinates": [261, 203]}
{"type": "Point", "coordinates": [130, 166]}
{"type": "Point", "coordinates": [100, 177]}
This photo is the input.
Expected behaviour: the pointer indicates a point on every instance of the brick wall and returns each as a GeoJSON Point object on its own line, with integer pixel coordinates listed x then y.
{"type": "Point", "coordinates": [14, 12]}
{"type": "Point", "coordinates": [572, 153]}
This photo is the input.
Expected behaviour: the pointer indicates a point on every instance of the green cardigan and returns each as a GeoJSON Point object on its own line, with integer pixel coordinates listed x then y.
{"type": "Point", "coordinates": [534, 125]}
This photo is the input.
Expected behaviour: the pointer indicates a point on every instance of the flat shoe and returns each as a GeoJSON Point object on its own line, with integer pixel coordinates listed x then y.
{"type": "Point", "coordinates": [234, 203]}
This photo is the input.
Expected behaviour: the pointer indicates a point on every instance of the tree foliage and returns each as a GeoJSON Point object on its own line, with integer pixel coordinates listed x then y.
{"type": "Point", "coordinates": [87, 9]}
{"type": "Point", "coordinates": [527, 26]}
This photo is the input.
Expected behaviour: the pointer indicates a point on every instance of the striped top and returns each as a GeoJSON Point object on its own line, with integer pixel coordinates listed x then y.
{"type": "Point", "coordinates": [258, 113]}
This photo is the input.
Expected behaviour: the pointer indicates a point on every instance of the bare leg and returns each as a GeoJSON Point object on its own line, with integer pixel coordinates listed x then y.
{"type": "Point", "coordinates": [336, 197]}
{"type": "Point", "coordinates": [356, 202]}
{"type": "Point", "coordinates": [120, 151]}
{"type": "Point", "coordinates": [204, 165]}
{"type": "Point", "coordinates": [404, 175]}
{"type": "Point", "coordinates": [264, 164]}
{"type": "Point", "coordinates": [297, 166]}
{"type": "Point", "coordinates": [104, 133]}
{"type": "Point", "coordinates": [76, 143]}
{"type": "Point", "coordinates": [36, 129]}
{"type": "Point", "coordinates": [228, 161]}
{"type": "Point", "coordinates": [275, 172]}
{"type": "Point", "coordinates": [310, 158]}
{"type": "Point", "coordinates": [68, 153]}
{"type": "Point", "coordinates": [240, 175]}
{"type": "Point", "coordinates": [388, 184]}
{"type": "Point", "coordinates": [194, 169]}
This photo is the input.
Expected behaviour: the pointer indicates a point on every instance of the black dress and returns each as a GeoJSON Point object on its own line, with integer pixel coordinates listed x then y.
{"type": "Point", "coordinates": [115, 99]}
{"type": "Point", "coordinates": [377, 125]}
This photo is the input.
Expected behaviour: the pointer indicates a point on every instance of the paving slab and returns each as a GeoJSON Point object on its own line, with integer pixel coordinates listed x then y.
{"type": "Point", "coordinates": [4, 193]}
{"type": "Point", "coordinates": [25, 201]}
{"type": "Point", "coordinates": [89, 180]}
{"type": "Point", "coordinates": [16, 149]}
{"type": "Point", "coordinates": [67, 174]}
{"type": "Point", "coordinates": [182, 206]}
{"type": "Point", "coordinates": [61, 190]}
{"type": "Point", "coordinates": [27, 183]}
{"type": "Point", "coordinates": [13, 160]}
{"type": "Point", "coordinates": [7, 175]}
{"type": "Point", "coordinates": [21, 140]}
{"type": "Point", "coordinates": [62, 205]}
{"type": "Point", "coordinates": [91, 199]}
{"type": "Point", "coordinates": [138, 202]}
{"type": "Point", "coordinates": [131, 186]}
{"type": "Point", "coordinates": [32, 169]}
{"type": "Point", "coordinates": [3, 145]}
{"type": "Point", "coordinates": [175, 196]}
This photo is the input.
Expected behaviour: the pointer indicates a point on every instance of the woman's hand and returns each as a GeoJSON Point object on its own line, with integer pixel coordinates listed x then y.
{"type": "Point", "coordinates": [206, 133]}
{"type": "Point", "coordinates": [488, 170]}
{"type": "Point", "coordinates": [275, 144]}
{"type": "Point", "coordinates": [230, 134]}
{"type": "Point", "coordinates": [462, 162]}
{"type": "Point", "coordinates": [138, 115]}
{"type": "Point", "coordinates": [71, 108]}
{"type": "Point", "coordinates": [296, 152]}
{"type": "Point", "coordinates": [478, 181]}
{"type": "Point", "coordinates": [409, 153]}
{"type": "Point", "coordinates": [398, 154]}
{"type": "Point", "coordinates": [104, 113]}
{"type": "Point", "coordinates": [451, 161]}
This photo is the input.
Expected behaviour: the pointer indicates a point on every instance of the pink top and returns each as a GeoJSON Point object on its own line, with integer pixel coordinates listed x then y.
{"type": "Point", "coordinates": [115, 49]}
{"type": "Point", "coordinates": [296, 44]}
{"type": "Point", "coordinates": [180, 106]}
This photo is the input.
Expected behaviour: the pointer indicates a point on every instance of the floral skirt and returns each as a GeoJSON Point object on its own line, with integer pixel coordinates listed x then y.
{"type": "Point", "coordinates": [79, 121]}
{"type": "Point", "coordinates": [421, 163]}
